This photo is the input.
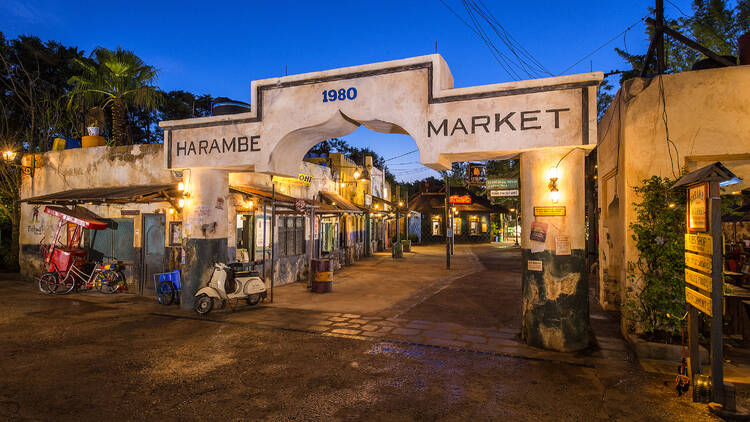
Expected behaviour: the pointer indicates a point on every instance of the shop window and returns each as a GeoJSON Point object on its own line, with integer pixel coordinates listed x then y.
{"type": "Point", "coordinates": [457, 229]}
{"type": "Point", "coordinates": [474, 228]}
{"type": "Point", "coordinates": [291, 232]}
{"type": "Point", "coordinates": [484, 227]}
{"type": "Point", "coordinates": [436, 228]}
{"type": "Point", "coordinates": [116, 242]}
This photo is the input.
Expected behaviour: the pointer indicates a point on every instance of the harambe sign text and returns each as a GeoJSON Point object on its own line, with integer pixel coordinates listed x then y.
{"type": "Point", "coordinates": [206, 147]}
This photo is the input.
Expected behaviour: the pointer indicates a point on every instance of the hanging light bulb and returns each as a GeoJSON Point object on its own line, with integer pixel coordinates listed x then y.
{"type": "Point", "coordinates": [181, 187]}
{"type": "Point", "coordinates": [181, 203]}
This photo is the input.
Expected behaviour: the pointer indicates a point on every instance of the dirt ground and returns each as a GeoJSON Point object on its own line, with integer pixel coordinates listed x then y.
{"type": "Point", "coordinates": [87, 357]}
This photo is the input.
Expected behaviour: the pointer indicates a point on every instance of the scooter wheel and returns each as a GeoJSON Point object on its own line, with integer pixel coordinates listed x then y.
{"type": "Point", "coordinates": [204, 304]}
{"type": "Point", "coordinates": [253, 300]}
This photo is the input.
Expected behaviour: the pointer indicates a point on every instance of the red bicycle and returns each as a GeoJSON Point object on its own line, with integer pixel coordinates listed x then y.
{"type": "Point", "coordinates": [104, 278]}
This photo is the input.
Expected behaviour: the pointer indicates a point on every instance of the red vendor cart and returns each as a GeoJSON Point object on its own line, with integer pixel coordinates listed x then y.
{"type": "Point", "coordinates": [61, 256]}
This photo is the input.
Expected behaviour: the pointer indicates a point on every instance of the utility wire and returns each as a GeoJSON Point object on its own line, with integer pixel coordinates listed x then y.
{"type": "Point", "coordinates": [402, 155]}
{"type": "Point", "coordinates": [602, 46]}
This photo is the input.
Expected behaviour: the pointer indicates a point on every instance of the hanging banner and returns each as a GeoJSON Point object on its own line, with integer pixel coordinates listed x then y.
{"type": "Point", "coordinates": [477, 174]}
{"type": "Point", "coordinates": [697, 207]}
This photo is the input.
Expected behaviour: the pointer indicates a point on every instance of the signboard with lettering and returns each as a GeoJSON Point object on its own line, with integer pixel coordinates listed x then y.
{"type": "Point", "coordinates": [534, 265]}
{"type": "Point", "coordinates": [495, 183]}
{"type": "Point", "coordinates": [554, 211]}
{"type": "Point", "coordinates": [698, 262]}
{"type": "Point", "coordinates": [377, 180]}
{"type": "Point", "coordinates": [368, 200]}
{"type": "Point", "coordinates": [702, 302]}
{"type": "Point", "coordinates": [697, 207]}
{"type": "Point", "coordinates": [460, 199]}
{"type": "Point", "coordinates": [700, 243]}
{"type": "Point", "coordinates": [498, 193]}
{"type": "Point", "coordinates": [699, 280]}
{"type": "Point", "coordinates": [477, 174]}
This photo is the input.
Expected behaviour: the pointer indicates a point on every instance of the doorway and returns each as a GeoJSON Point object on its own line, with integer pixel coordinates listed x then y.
{"type": "Point", "coordinates": [153, 253]}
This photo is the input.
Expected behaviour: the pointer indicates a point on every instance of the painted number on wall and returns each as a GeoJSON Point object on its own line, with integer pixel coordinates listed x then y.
{"type": "Point", "coordinates": [342, 94]}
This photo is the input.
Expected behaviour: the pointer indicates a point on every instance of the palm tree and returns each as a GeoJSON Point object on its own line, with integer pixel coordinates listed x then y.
{"type": "Point", "coordinates": [115, 80]}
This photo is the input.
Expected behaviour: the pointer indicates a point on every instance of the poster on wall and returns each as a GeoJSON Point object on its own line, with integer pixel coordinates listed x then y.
{"type": "Point", "coordinates": [538, 232]}
{"type": "Point", "coordinates": [562, 245]}
{"type": "Point", "coordinates": [377, 179]}
{"type": "Point", "coordinates": [697, 209]}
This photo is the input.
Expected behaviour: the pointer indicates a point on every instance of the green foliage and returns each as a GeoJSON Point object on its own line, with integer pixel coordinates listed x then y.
{"type": "Point", "coordinates": [656, 279]}
{"type": "Point", "coordinates": [115, 80]}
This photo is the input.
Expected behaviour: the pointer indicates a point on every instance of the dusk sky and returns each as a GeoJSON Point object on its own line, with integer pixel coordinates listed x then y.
{"type": "Point", "coordinates": [218, 48]}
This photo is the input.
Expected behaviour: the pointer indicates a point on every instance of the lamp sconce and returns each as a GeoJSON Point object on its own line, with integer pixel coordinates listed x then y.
{"type": "Point", "coordinates": [554, 193]}
{"type": "Point", "coordinates": [10, 158]}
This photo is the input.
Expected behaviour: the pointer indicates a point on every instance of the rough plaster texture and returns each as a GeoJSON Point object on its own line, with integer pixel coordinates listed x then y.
{"type": "Point", "coordinates": [555, 309]}
{"type": "Point", "coordinates": [289, 116]}
{"type": "Point", "coordinates": [707, 115]}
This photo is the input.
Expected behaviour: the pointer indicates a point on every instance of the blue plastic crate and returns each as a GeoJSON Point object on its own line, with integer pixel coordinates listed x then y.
{"type": "Point", "coordinates": [173, 276]}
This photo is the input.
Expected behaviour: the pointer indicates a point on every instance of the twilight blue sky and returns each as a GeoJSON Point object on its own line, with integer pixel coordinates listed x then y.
{"type": "Point", "coordinates": [219, 47]}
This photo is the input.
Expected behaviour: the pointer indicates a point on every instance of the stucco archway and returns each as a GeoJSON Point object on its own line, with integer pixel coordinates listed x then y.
{"type": "Point", "coordinates": [542, 119]}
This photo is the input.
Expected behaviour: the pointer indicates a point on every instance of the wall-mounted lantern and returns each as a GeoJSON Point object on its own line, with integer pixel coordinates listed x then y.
{"type": "Point", "coordinates": [553, 176]}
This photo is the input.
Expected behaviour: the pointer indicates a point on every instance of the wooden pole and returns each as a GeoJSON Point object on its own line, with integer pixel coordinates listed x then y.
{"type": "Point", "coordinates": [717, 296]}
{"type": "Point", "coordinates": [660, 62]}
{"type": "Point", "coordinates": [447, 239]}
{"type": "Point", "coordinates": [273, 227]}
{"type": "Point", "coordinates": [310, 246]}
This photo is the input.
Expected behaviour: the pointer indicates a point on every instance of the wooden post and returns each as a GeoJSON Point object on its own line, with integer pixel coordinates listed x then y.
{"type": "Point", "coordinates": [273, 226]}
{"type": "Point", "coordinates": [717, 295]}
{"type": "Point", "coordinates": [310, 246]}
{"type": "Point", "coordinates": [447, 239]}
{"type": "Point", "coordinates": [694, 359]}
{"type": "Point", "coordinates": [659, 34]}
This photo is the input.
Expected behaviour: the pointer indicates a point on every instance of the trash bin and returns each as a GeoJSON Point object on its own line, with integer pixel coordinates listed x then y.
{"type": "Point", "coordinates": [398, 250]}
{"type": "Point", "coordinates": [406, 245]}
{"type": "Point", "coordinates": [322, 276]}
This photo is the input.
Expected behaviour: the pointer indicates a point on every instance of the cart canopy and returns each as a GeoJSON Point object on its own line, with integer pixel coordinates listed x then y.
{"type": "Point", "coordinates": [78, 215]}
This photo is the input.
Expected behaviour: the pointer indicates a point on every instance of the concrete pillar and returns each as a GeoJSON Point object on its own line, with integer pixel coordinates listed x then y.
{"type": "Point", "coordinates": [205, 228]}
{"type": "Point", "coordinates": [555, 310]}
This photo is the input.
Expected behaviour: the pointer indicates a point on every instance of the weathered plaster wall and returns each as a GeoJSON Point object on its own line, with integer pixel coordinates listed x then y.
{"type": "Point", "coordinates": [707, 115]}
{"type": "Point", "coordinates": [555, 310]}
{"type": "Point", "coordinates": [82, 168]}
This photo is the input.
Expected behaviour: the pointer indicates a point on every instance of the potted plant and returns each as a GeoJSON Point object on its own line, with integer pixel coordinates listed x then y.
{"type": "Point", "coordinates": [94, 116]}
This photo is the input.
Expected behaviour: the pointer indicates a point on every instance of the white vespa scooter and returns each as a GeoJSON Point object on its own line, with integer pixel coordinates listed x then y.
{"type": "Point", "coordinates": [226, 284]}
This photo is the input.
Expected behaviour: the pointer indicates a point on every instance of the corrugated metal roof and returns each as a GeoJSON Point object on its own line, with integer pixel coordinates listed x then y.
{"type": "Point", "coordinates": [340, 202]}
{"type": "Point", "coordinates": [265, 194]}
{"type": "Point", "coordinates": [113, 194]}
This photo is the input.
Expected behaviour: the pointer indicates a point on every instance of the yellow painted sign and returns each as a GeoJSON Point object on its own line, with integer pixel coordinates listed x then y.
{"type": "Point", "coordinates": [703, 303]}
{"type": "Point", "coordinates": [697, 207]}
{"type": "Point", "coordinates": [302, 179]}
{"type": "Point", "coordinates": [699, 280]}
{"type": "Point", "coordinates": [701, 243]}
{"type": "Point", "coordinates": [698, 262]}
{"type": "Point", "coordinates": [554, 211]}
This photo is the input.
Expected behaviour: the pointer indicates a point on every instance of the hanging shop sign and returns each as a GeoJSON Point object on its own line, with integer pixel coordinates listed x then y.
{"type": "Point", "coordinates": [368, 200]}
{"type": "Point", "coordinates": [502, 183]}
{"type": "Point", "coordinates": [697, 209]}
{"type": "Point", "coordinates": [477, 174]}
{"type": "Point", "coordinates": [554, 211]}
{"type": "Point", "coordinates": [300, 205]}
{"type": "Point", "coordinates": [498, 193]}
{"type": "Point", "coordinates": [700, 301]}
{"type": "Point", "coordinates": [700, 243]}
{"type": "Point", "coordinates": [306, 179]}
{"type": "Point", "coordinates": [460, 199]}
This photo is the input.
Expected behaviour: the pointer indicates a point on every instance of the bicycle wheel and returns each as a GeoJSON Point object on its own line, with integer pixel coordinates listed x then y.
{"type": "Point", "coordinates": [45, 280]}
{"type": "Point", "coordinates": [64, 285]}
{"type": "Point", "coordinates": [110, 282]}
{"type": "Point", "coordinates": [165, 293]}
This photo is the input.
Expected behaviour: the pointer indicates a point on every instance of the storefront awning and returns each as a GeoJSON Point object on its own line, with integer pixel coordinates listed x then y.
{"type": "Point", "coordinates": [110, 195]}
{"type": "Point", "coordinates": [78, 215]}
{"type": "Point", "coordinates": [339, 202]}
{"type": "Point", "coordinates": [264, 194]}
